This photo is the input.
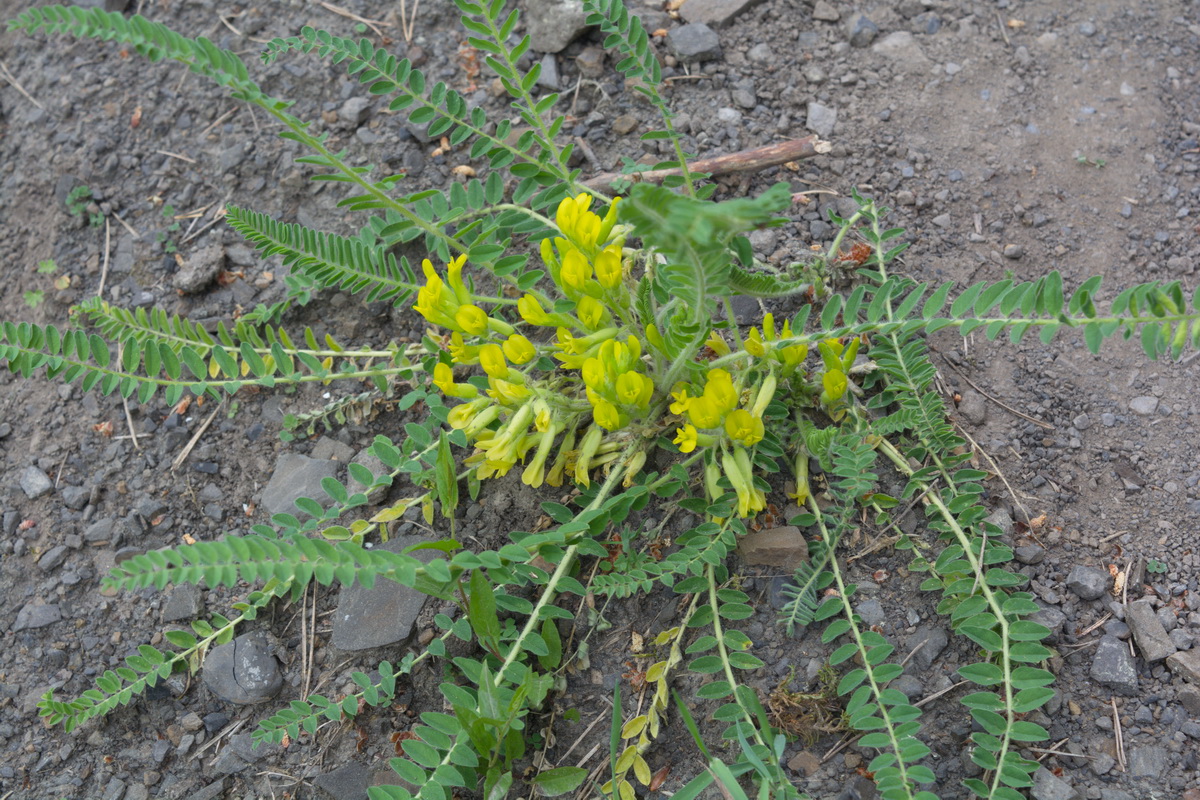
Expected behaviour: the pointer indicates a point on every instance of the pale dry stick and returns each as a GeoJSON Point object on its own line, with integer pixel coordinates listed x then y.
{"type": "Point", "coordinates": [104, 269]}
{"type": "Point", "coordinates": [1007, 408]}
{"type": "Point", "coordinates": [128, 227]}
{"type": "Point", "coordinates": [58, 475]}
{"type": "Point", "coordinates": [925, 700]}
{"type": "Point", "coordinates": [187, 448]}
{"type": "Point", "coordinates": [124, 436]}
{"type": "Point", "coordinates": [1045, 752]}
{"type": "Point", "coordinates": [372, 24]}
{"type": "Point", "coordinates": [217, 217]}
{"type": "Point", "coordinates": [228, 731]}
{"type": "Point", "coordinates": [1112, 536]}
{"type": "Point", "coordinates": [303, 642]}
{"type": "Point", "coordinates": [1003, 32]}
{"type": "Point", "coordinates": [312, 641]}
{"type": "Point", "coordinates": [1117, 733]}
{"type": "Point", "coordinates": [219, 120]}
{"type": "Point", "coordinates": [176, 155]}
{"type": "Point", "coordinates": [8, 76]}
{"type": "Point", "coordinates": [408, 21]}
{"type": "Point", "coordinates": [840, 746]}
{"type": "Point", "coordinates": [582, 736]}
{"type": "Point", "coordinates": [1190, 359]}
{"type": "Point", "coordinates": [194, 216]}
{"type": "Point", "coordinates": [913, 652]}
{"type": "Point", "coordinates": [125, 404]}
{"type": "Point", "coordinates": [1096, 624]}
{"type": "Point", "coordinates": [755, 160]}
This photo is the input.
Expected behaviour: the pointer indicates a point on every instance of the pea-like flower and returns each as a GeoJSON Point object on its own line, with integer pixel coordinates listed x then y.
{"type": "Point", "coordinates": [743, 427]}
{"type": "Point", "coordinates": [471, 319]}
{"type": "Point", "coordinates": [491, 358]}
{"type": "Point", "coordinates": [704, 413]}
{"type": "Point", "coordinates": [609, 269]}
{"type": "Point", "coordinates": [518, 349]}
{"type": "Point", "coordinates": [443, 379]}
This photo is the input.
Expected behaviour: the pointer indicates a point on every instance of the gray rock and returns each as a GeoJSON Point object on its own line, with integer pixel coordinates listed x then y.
{"type": "Point", "coordinates": [744, 97]}
{"type": "Point", "coordinates": [347, 782]}
{"type": "Point", "coordinates": [1148, 761]}
{"type": "Point", "coordinates": [935, 640]}
{"type": "Point", "coordinates": [1030, 554]}
{"type": "Point", "coordinates": [591, 62]}
{"type": "Point", "coordinates": [1152, 640]}
{"type": "Point", "coordinates": [1089, 583]}
{"type": "Point", "coordinates": [1013, 251]}
{"type": "Point", "coordinates": [548, 78]}
{"type": "Point", "coordinates": [909, 686]}
{"type": "Point", "coordinates": [330, 449]}
{"type": "Point", "coordinates": [35, 483]}
{"type": "Point", "coordinates": [872, 612]}
{"type": "Point", "coordinates": [1144, 406]}
{"type": "Point", "coordinates": [53, 557]}
{"type": "Point", "coordinates": [355, 111]}
{"type": "Point", "coordinates": [820, 119]}
{"type": "Point", "coordinates": [760, 53]}
{"type": "Point", "coordinates": [1113, 666]}
{"type": "Point", "coordinates": [1053, 619]}
{"type": "Point", "coordinates": [184, 602]}
{"type": "Point", "coordinates": [554, 24]}
{"type": "Point", "coordinates": [212, 791]}
{"type": "Point", "coordinates": [243, 671]}
{"type": "Point", "coordinates": [1181, 639]}
{"type": "Point", "coordinates": [694, 43]}
{"type": "Point", "coordinates": [1002, 520]}
{"type": "Point", "coordinates": [824, 12]}
{"type": "Point", "coordinates": [37, 616]}
{"type": "Point", "coordinates": [100, 531]}
{"type": "Point", "coordinates": [1048, 786]}
{"type": "Point", "coordinates": [296, 476]}
{"type": "Point", "coordinates": [861, 30]}
{"type": "Point", "coordinates": [383, 614]}
{"type": "Point", "coordinates": [902, 49]}
{"type": "Point", "coordinates": [782, 547]}
{"type": "Point", "coordinates": [973, 407]}
{"type": "Point", "coordinates": [1189, 697]}
{"type": "Point", "coordinates": [199, 269]}
{"type": "Point", "coordinates": [715, 13]}
{"type": "Point", "coordinates": [1185, 663]}
{"type": "Point", "coordinates": [377, 467]}
{"type": "Point", "coordinates": [75, 497]}
{"type": "Point", "coordinates": [943, 220]}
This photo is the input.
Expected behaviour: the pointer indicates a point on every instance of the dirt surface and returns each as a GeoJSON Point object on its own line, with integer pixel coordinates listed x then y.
{"type": "Point", "coordinates": [1010, 137]}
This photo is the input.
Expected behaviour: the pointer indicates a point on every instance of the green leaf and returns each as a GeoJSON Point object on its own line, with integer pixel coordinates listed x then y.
{"type": "Point", "coordinates": [559, 780]}
{"type": "Point", "coordinates": [481, 608]}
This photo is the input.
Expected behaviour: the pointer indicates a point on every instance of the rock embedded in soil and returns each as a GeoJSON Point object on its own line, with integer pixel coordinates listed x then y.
{"type": "Point", "coordinates": [973, 407]}
{"type": "Point", "coordinates": [1148, 632]}
{"type": "Point", "coordinates": [1048, 786]}
{"type": "Point", "coordinates": [296, 476]}
{"type": "Point", "coordinates": [1186, 663]}
{"type": "Point", "coordinates": [347, 782]}
{"type": "Point", "coordinates": [383, 614]}
{"type": "Point", "coordinates": [199, 269]}
{"type": "Point", "coordinates": [554, 24]}
{"type": "Point", "coordinates": [926, 644]}
{"type": "Point", "coordinates": [715, 13]}
{"type": "Point", "coordinates": [35, 483]}
{"type": "Point", "coordinates": [825, 12]}
{"type": "Point", "coordinates": [184, 602]}
{"type": "Point", "coordinates": [861, 31]}
{"type": "Point", "coordinates": [694, 43]}
{"type": "Point", "coordinates": [782, 547]}
{"type": "Point", "coordinates": [243, 671]}
{"type": "Point", "coordinates": [820, 119]}
{"type": "Point", "coordinates": [1088, 583]}
{"type": "Point", "coordinates": [1144, 406]}
{"type": "Point", "coordinates": [37, 615]}
{"type": "Point", "coordinates": [1148, 761]}
{"type": "Point", "coordinates": [1114, 667]}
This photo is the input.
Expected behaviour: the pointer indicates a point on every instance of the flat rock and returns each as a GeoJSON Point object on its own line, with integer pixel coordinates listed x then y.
{"type": "Point", "coordinates": [715, 13]}
{"type": "Point", "coordinates": [53, 557]}
{"type": "Point", "coordinates": [1113, 666]}
{"type": "Point", "coordinates": [243, 671]}
{"type": "Point", "coordinates": [861, 31]}
{"type": "Point", "coordinates": [199, 269]}
{"type": "Point", "coordinates": [1048, 786]}
{"type": "Point", "coordinates": [367, 459]}
{"type": "Point", "coordinates": [1088, 583]}
{"type": "Point", "coordinates": [37, 615]}
{"type": "Point", "coordinates": [347, 782]}
{"type": "Point", "coordinates": [902, 49]}
{"type": "Point", "coordinates": [931, 641]}
{"type": "Point", "coordinates": [973, 407]}
{"type": "Point", "coordinates": [1148, 761]}
{"type": "Point", "coordinates": [1185, 663]}
{"type": "Point", "coordinates": [554, 24]}
{"type": "Point", "coordinates": [820, 119]}
{"type": "Point", "coordinates": [329, 449]}
{"type": "Point", "coordinates": [782, 547]}
{"type": "Point", "coordinates": [383, 614]}
{"type": "Point", "coordinates": [694, 43]}
{"type": "Point", "coordinates": [1148, 632]}
{"type": "Point", "coordinates": [825, 12]}
{"type": "Point", "coordinates": [35, 483]}
{"type": "Point", "coordinates": [184, 602]}
{"type": "Point", "coordinates": [1144, 406]}
{"type": "Point", "coordinates": [296, 476]}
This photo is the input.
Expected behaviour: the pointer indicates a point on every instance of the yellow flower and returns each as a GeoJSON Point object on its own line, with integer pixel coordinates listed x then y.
{"type": "Point", "coordinates": [461, 352]}
{"type": "Point", "coordinates": [716, 342]}
{"type": "Point", "coordinates": [607, 416]}
{"type": "Point", "coordinates": [754, 344]}
{"type": "Point", "coordinates": [591, 312]}
{"type": "Point", "coordinates": [703, 412]}
{"type": "Point", "coordinates": [743, 427]}
{"type": "Point", "coordinates": [575, 272]}
{"type": "Point", "coordinates": [472, 319]}
{"type": "Point", "coordinates": [685, 437]}
{"type": "Point", "coordinates": [518, 349]}
{"type": "Point", "coordinates": [609, 270]}
{"type": "Point", "coordinates": [682, 400]}
{"type": "Point", "coordinates": [720, 390]}
{"type": "Point", "coordinates": [738, 469]}
{"type": "Point", "coordinates": [454, 278]}
{"type": "Point", "coordinates": [634, 389]}
{"type": "Point", "coordinates": [506, 392]}
{"type": "Point", "coordinates": [491, 358]}
{"type": "Point", "coordinates": [576, 222]}
{"type": "Point", "coordinates": [532, 312]}
{"type": "Point", "coordinates": [465, 414]}
{"type": "Point", "coordinates": [593, 374]}
{"type": "Point", "coordinates": [443, 378]}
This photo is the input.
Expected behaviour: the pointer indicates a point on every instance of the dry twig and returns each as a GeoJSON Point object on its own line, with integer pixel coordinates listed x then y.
{"type": "Point", "coordinates": [1117, 733]}
{"type": "Point", "coordinates": [104, 269]}
{"type": "Point", "coordinates": [8, 76]}
{"type": "Point", "coordinates": [373, 24]}
{"type": "Point", "coordinates": [187, 448]}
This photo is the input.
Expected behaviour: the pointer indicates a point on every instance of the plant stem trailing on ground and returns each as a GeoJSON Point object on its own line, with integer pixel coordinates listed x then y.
{"type": "Point", "coordinates": [572, 366]}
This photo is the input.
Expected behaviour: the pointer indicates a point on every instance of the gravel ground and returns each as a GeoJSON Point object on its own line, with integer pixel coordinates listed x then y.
{"type": "Point", "coordinates": [1010, 137]}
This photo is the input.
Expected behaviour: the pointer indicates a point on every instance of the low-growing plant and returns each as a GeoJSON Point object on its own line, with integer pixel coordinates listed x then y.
{"type": "Point", "coordinates": [78, 200]}
{"type": "Point", "coordinates": [572, 334]}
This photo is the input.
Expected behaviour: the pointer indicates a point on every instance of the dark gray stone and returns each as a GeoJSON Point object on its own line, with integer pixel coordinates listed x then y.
{"type": "Point", "coordinates": [554, 24]}
{"type": "Point", "coordinates": [909, 686]}
{"type": "Point", "coordinates": [872, 612]}
{"type": "Point", "coordinates": [296, 476]}
{"type": "Point", "coordinates": [715, 13]}
{"type": "Point", "coordinates": [1144, 406]}
{"type": "Point", "coordinates": [1148, 633]}
{"type": "Point", "coordinates": [935, 640]}
{"type": "Point", "coordinates": [185, 602]}
{"type": "Point", "coordinates": [1048, 786]}
{"type": "Point", "coordinates": [100, 531]}
{"type": "Point", "coordinates": [53, 557]}
{"type": "Point", "coordinates": [199, 269]}
{"type": "Point", "coordinates": [354, 111]}
{"type": "Point", "coordinates": [694, 43]}
{"type": "Point", "coordinates": [1148, 761]}
{"type": "Point", "coordinates": [347, 782]}
{"type": "Point", "coordinates": [1053, 619]}
{"type": "Point", "coordinates": [35, 483]}
{"type": "Point", "coordinates": [37, 616]}
{"type": "Point", "coordinates": [75, 497]}
{"type": "Point", "coordinates": [383, 614]}
{"type": "Point", "coordinates": [330, 449]}
{"type": "Point", "coordinates": [213, 791]}
{"type": "Point", "coordinates": [1113, 666]}
{"type": "Point", "coordinates": [1088, 583]}
{"type": "Point", "coordinates": [973, 407]}
{"type": "Point", "coordinates": [243, 671]}
{"type": "Point", "coordinates": [1189, 698]}
{"type": "Point", "coordinates": [1002, 520]}
{"type": "Point", "coordinates": [1030, 554]}
{"type": "Point", "coordinates": [861, 30]}
{"type": "Point", "coordinates": [1185, 663]}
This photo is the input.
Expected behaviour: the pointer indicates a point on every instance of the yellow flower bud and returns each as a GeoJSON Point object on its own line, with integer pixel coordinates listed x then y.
{"type": "Point", "coordinates": [716, 342]}
{"type": "Point", "coordinates": [754, 344]}
{"type": "Point", "coordinates": [443, 379]}
{"type": "Point", "coordinates": [682, 399]}
{"type": "Point", "coordinates": [720, 390]}
{"type": "Point", "coordinates": [743, 427]}
{"type": "Point", "coordinates": [491, 358]}
{"type": "Point", "coordinates": [472, 319]}
{"type": "Point", "coordinates": [454, 279]}
{"type": "Point", "coordinates": [532, 312]}
{"type": "Point", "coordinates": [609, 270]}
{"type": "Point", "coordinates": [518, 349]}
